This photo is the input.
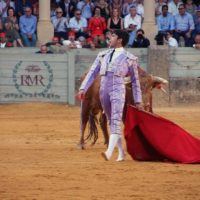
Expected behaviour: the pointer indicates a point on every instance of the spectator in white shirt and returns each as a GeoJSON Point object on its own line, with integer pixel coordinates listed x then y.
{"type": "Point", "coordinates": [173, 6]}
{"type": "Point", "coordinates": [71, 42]}
{"type": "Point", "coordinates": [78, 24]}
{"type": "Point", "coordinates": [132, 22]}
{"type": "Point", "coordinates": [170, 41]}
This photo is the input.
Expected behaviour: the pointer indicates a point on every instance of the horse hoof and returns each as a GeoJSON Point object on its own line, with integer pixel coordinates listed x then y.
{"type": "Point", "coordinates": [81, 146]}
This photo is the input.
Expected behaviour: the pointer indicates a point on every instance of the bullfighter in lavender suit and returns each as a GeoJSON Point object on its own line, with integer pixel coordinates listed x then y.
{"type": "Point", "coordinates": [113, 65]}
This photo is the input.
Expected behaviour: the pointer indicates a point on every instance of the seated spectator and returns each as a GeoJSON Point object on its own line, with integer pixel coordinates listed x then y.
{"type": "Point", "coordinates": [115, 21]}
{"type": "Point", "coordinates": [20, 6]}
{"type": "Point", "coordinates": [71, 42]}
{"type": "Point", "coordinates": [78, 24]}
{"type": "Point", "coordinates": [86, 7]}
{"type": "Point", "coordinates": [96, 27]}
{"type": "Point", "coordinates": [60, 24]}
{"type": "Point", "coordinates": [103, 5]}
{"type": "Point", "coordinates": [44, 50]}
{"type": "Point", "coordinates": [12, 28]}
{"type": "Point", "coordinates": [165, 23]}
{"type": "Point", "coordinates": [173, 6]}
{"type": "Point", "coordinates": [68, 7]}
{"type": "Point", "coordinates": [140, 41]}
{"type": "Point", "coordinates": [140, 9]}
{"type": "Point", "coordinates": [4, 4]}
{"type": "Point", "coordinates": [132, 22]}
{"type": "Point", "coordinates": [190, 7]}
{"type": "Point", "coordinates": [197, 42]}
{"type": "Point", "coordinates": [184, 25]}
{"type": "Point", "coordinates": [36, 8]}
{"type": "Point", "coordinates": [158, 7]}
{"type": "Point", "coordinates": [89, 43]}
{"type": "Point", "coordinates": [28, 25]}
{"type": "Point", "coordinates": [55, 41]}
{"type": "Point", "coordinates": [3, 41]}
{"type": "Point", "coordinates": [125, 8]}
{"type": "Point", "coordinates": [1, 25]}
{"type": "Point", "coordinates": [196, 23]}
{"type": "Point", "coordinates": [115, 4]}
{"type": "Point", "coordinates": [170, 41]}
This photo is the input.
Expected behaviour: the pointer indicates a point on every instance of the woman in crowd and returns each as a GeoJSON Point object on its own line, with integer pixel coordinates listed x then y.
{"type": "Point", "coordinates": [97, 26]}
{"type": "Point", "coordinates": [103, 5]}
{"type": "Point", "coordinates": [116, 4]}
{"type": "Point", "coordinates": [12, 28]}
{"type": "Point", "coordinates": [115, 21]}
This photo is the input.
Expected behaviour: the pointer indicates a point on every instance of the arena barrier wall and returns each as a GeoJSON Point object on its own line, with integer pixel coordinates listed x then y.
{"type": "Point", "coordinates": [29, 77]}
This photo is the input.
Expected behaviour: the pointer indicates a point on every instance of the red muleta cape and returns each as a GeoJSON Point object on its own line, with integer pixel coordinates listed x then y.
{"type": "Point", "coordinates": [153, 138]}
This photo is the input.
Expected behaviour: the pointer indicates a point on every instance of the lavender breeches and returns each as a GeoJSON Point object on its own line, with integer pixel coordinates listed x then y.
{"type": "Point", "coordinates": [112, 97]}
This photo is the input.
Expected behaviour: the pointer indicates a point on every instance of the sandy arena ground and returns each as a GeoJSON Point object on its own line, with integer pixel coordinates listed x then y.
{"type": "Point", "coordinates": [39, 160]}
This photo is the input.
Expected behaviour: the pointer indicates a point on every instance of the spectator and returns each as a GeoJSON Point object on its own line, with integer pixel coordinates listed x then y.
{"type": "Point", "coordinates": [196, 23]}
{"type": "Point", "coordinates": [170, 41]}
{"type": "Point", "coordinates": [71, 42]}
{"type": "Point", "coordinates": [68, 7]}
{"type": "Point", "coordinates": [89, 43]}
{"type": "Point", "coordinates": [140, 41]}
{"type": "Point", "coordinates": [115, 21]}
{"type": "Point", "coordinates": [36, 8]}
{"type": "Point", "coordinates": [132, 22]}
{"type": "Point", "coordinates": [126, 7]}
{"type": "Point", "coordinates": [28, 25]}
{"type": "Point", "coordinates": [103, 5]}
{"type": "Point", "coordinates": [190, 7]}
{"type": "Point", "coordinates": [4, 4]}
{"type": "Point", "coordinates": [86, 7]}
{"type": "Point", "coordinates": [1, 26]}
{"type": "Point", "coordinates": [78, 24]}
{"type": "Point", "coordinates": [12, 28]}
{"type": "Point", "coordinates": [60, 24]}
{"type": "Point", "coordinates": [158, 7]}
{"type": "Point", "coordinates": [115, 4]}
{"type": "Point", "coordinates": [20, 6]}
{"type": "Point", "coordinates": [55, 42]}
{"type": "Point", "coordinates": [3, 41]}
{"type": "Point", "coordinates": [96, 27]}
{"type": "Point", "coordinates": [173, 7]}
{"type": "Point", "coordinates": [44, 50]}
{"type": "Point", "coordinates": [140, 9]}
{"type": "Point", "coordinates": [184, 25]}
{"type": "Point", "coordinates": [165, 22]}
{"type": "Point", "coordinates": [197, 42]}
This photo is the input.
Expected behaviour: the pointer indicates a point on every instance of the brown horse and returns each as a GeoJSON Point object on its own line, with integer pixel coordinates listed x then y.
{"type": "Point", "coordinates": [91, 106]}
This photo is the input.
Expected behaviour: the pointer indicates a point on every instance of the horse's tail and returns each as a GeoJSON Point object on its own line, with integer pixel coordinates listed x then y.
{"type": "Point", "coordinates": [93, 131]}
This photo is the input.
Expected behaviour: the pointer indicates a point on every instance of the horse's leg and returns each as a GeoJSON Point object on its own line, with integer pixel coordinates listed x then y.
{"type": "Point", "coordinates": [85, 110]}
{"type": "Point", "coordinates": [103, 124]}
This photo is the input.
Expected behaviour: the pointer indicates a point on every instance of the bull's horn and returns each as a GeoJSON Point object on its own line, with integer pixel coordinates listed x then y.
{"type": "Point", "coordinates": [160, 80]}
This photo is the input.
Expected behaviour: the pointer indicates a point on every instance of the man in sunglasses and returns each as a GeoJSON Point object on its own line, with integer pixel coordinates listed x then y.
{"type": "Point", "coordinates": [60, 24]}
{"type": "Point", "coordinates": [78, 24]}
{"type": "Point", "coordinates": [184, 25]}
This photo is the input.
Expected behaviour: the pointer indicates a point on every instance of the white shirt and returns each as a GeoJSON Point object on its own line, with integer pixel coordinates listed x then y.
{"type": "Point", "coordinates": [78, 25]}
{"type": "Point", "coordinates": [140, 10]}
{"type": "Point", "coordinates": [117, 52]}
{"type": "Point", "coordinates": [128, 20]}
{"type": "Point", "coordinates": [68, 42]}
{"type": "Point", "coordinates": [2, 45]}
{"type": "Point", "coordinates": [173, 8]}
{"type": "Point", "coordinates": [172, 42]}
